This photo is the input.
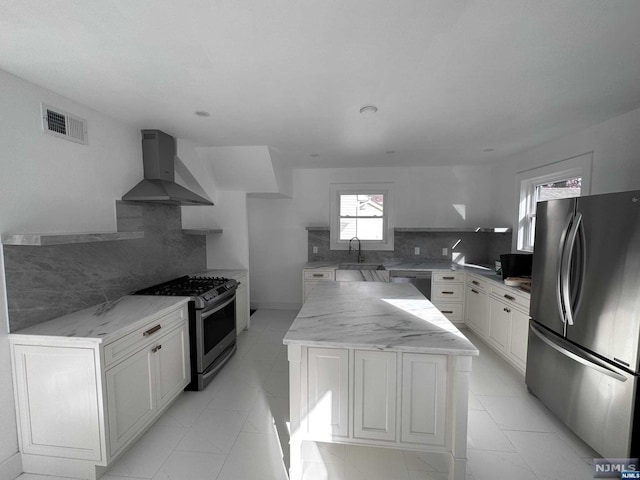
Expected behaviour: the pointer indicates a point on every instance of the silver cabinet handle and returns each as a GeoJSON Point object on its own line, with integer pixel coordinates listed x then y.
{"type": "Point", "coordinates": [152, 330]}
{"type": "Point", "coordinates": [318, 275]}
{"type": "Point", "coordinates": [509, 297]}
{"type": "Point", "coordinates": [448, 278]}
{"type": "Point", "coordinates": [475, 291]}
{"type": "Point", "coordinates": [508, 310]}
{"type": "Point", "coordinates": [475, 283]}
{"type": "Point", "coordinates": [156, 348]}
{"type": "Point", "coordinates": [447, 293]}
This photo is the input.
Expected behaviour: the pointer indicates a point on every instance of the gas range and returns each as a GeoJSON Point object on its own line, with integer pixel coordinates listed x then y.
{"type": "Point", "coordinates": [212, 322]}
{"type": "Point", "coordinates": [204, 291]}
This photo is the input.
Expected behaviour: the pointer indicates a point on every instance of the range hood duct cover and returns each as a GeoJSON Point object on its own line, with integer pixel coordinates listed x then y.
{"type": "Point", "coordinates": [159, 186]}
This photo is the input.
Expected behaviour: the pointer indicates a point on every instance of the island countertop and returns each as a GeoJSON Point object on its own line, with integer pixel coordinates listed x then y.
{"type": "Point", "coordinates": [375, 315]}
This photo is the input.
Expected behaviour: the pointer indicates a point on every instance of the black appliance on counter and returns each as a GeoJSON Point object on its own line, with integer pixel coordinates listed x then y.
{"type": "Point", "coordinates": [516, 264]}
{"type": "Point", "coordinates": [212, 322]}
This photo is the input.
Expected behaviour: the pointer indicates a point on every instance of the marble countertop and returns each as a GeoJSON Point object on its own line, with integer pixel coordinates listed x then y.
{"type": "Point", "coordinates": [481, 270]}
{"type": "Point", "coordinates": [106, 321]}
{"type": "Point", "coordinates": [375, 315]}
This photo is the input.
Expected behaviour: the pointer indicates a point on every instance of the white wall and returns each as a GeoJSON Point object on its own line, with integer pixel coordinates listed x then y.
{"type": "Point", "coordinates": [45, 178]}
{"type": "Point", "coordinates": [231, 248]}
{"type": "Point", "coordinates": [615, 144]}
{"type": "Point", "coordinates": [424, 197]}
{"type": "Point", "coordinates": [53, 185]}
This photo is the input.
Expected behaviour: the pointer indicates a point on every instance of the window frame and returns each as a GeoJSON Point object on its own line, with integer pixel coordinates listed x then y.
{"type": "Point", "coordinates": [527, 181]}
{"type": "Point", "coordinates": [387, 190]}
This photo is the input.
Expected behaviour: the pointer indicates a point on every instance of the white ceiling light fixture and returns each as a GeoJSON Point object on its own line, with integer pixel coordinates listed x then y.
{"type": "Point", "coordinates": [368, 110]}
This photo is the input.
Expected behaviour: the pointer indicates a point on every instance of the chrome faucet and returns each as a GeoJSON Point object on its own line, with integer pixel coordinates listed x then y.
{"type": "Point", "coordinates": [360, 256]}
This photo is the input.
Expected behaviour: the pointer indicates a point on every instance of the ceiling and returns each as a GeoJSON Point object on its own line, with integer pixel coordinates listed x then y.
{"type": "Point", "coordinates": [451, 79]}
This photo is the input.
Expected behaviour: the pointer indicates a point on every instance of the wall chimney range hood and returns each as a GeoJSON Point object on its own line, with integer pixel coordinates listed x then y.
{"type": "Point", "coordinates": [159, 186]}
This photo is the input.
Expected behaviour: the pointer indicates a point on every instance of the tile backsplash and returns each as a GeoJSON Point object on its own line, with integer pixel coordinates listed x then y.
{"type": "Point", "coordinates": [474, 247]}
{"type": "Point", "coordinates": [45, 282]}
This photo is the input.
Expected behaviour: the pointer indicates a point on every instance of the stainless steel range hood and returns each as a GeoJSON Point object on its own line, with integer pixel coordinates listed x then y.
{"type": "Point", "coordinates": [159, 186]}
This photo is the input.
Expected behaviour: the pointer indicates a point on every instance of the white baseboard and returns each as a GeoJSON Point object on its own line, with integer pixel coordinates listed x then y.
{"type": "Point", "coordinates": [275, 306]}
{"type": "Point", "coordinates": [11, 467]}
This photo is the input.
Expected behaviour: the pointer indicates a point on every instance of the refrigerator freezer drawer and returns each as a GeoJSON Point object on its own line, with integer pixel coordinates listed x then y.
{"type": "Point", "coordinates": [596, 403]}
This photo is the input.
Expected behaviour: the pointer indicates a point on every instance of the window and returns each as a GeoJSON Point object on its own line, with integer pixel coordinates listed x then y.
{"type": "Point", "coordinates": [362, 216]}
{"type": "Point", "coordinates": [362, 211]}
{"type": "Point", "coordinates": [566, 179]}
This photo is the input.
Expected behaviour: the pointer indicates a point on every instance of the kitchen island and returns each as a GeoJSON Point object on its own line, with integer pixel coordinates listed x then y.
{"type": "Point", "coordinates": [376, 364]}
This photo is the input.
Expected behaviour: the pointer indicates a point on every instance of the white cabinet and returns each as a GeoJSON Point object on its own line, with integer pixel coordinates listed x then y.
{"type": "Point", "coordinates": [59, 408]}
{"type": "Point", "coordinates": [311, 277]}
{"type": "Point", "coordinates": [375, 395]}
{"type": "Point", "coordinates": [508, 315]}
{"type": "Point", "coordinates": [518, 338]}
{"type": "Point", "coordinates": [328, 392]}
{"type": "Point", "coordinates": [424, 394]}
{"type": "Point", "coordinates": [500, 316]}
{"type": "Point", "coordinates": [80, 402]}
{"type": "Point", "coordinates": [476, 305]}
{"type": "Point", "coordinates": [447, 294]}
{"type": "Point", "coordinates": [499, 319]}
{"type": "Point", "coordinates": [399, 398]}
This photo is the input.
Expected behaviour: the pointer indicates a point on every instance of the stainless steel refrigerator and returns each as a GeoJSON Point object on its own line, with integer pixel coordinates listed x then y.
{"type": "Point", "coordinates": [584, 334]}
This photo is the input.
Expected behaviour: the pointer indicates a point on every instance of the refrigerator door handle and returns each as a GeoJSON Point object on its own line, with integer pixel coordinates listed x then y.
{"type": "Point", "coordinates": [565, 268]}
{"type": "Point", "coordinates": [580, 357]}
{"type": "Point", "coordinates": [559, 278]}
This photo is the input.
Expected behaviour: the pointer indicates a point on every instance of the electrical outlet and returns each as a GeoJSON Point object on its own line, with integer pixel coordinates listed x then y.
{"type": "Point", "coordinates": [445, 251]}
{"type": "Point", "coordinates": [416, 250]}
{"type": "Point", "coordinates": [315, 250]}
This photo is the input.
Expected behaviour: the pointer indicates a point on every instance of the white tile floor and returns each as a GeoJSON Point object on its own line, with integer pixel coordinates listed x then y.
{"type": "Point", "coordinates": [236, 429]}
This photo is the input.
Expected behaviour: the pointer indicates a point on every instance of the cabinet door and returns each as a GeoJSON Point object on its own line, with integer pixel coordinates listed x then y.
{"type": "Point", "coordinates": [171, 357]}
{"type": "Point", "coordinates": [59, 411]}
{"type": "Point", "coordinates": [476, 311]}
{"type": "Point", "coordinates": [328, 392]}
{"type": "Point", "coordinates": [130, 397]}
{"type": "Point", "coordinates": [499, 320]}
{"type": "Point", "coordinates": [424, 393]}
{"type": "Point", "coordinates": [374, 409]}
{"type": "Point", "coordinates": [242, 308]}
{"type": "Point", "coordinates": [518, 338]}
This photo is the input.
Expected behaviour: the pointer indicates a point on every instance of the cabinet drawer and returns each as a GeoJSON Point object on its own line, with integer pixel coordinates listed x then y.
{"type": "Point", "coordinates": [477, 282]}
{"type": "Point", "coordinates": [511, 297]}
{"type": "Point", "coordinates": [448, 276]}
{"type": "Point", "coordinates": [453, 311]}
{"type": "Point", "coordinates": [145, 335]}
{"type": "Point", "coordinates": [315, 274]}
{"type": "Point", "coordinates": [447, 293]}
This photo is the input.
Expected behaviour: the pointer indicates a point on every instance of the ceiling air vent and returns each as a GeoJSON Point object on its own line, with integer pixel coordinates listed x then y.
{"type": "Point", "coordinates": [64, 125]}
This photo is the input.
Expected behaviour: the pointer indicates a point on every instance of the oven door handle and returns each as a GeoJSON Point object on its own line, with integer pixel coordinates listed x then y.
{"type": "Point", "coordinates": [208, 313]}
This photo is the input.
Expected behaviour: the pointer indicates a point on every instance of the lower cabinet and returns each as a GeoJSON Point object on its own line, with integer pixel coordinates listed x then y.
{"type": "Point", "coordinates": [81, 403]}
{"type": "Point", "coordinates": [499, 316]}
{"type": "Point", "coordinates": [397, 397]}
{"type": "Point", "coordinates": [424, 393]}
{"type": "Point", "coordinates": [328, 391]}
{"type": "Point", "coordinates": [508, 325]}
{"type": "Point", "coordinates": [476, 309]}
{"type": "Point", "coordinates": [375, 380]}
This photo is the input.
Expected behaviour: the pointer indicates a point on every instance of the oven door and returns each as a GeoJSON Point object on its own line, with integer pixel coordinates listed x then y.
{"type": "Point", "coordinates": [215, 331]}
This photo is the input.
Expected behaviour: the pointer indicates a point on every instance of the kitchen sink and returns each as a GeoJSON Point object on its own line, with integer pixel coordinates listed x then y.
{"type": "Point", "coordinates": [361, 266]}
